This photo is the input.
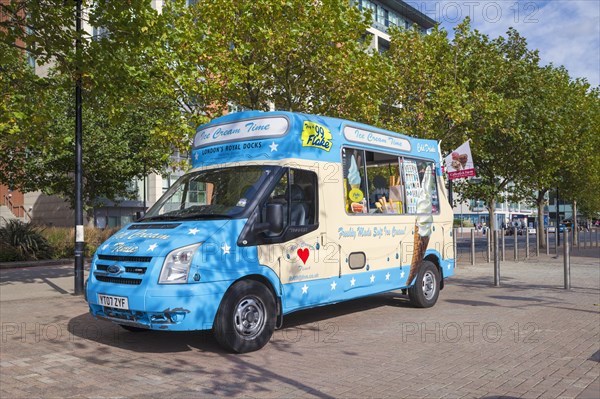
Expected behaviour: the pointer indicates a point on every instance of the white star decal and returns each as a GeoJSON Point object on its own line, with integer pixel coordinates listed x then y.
{"type": "Point", "coordinates": [225, 248]}
{"type": "Point", "coordinates": [152, 247]}
{"type": "Point", "coordinates": [273, 146]}
{"type": "Point", "coordinates": [333, 285]}
{"type": "Point", "coordinates": [196, 156]}
{"type": "Point", "coordinates": [352, 282]}
{"type": "Point", "coordinates": [105, 246]}
{"type": "Point", "coordinates": [193, 231]}
{"type": "Point", "coordinates": [387, 276]}
{"type": "Point", "coordinates": [402, 274]}
{"type": "Point", "coordinates": [372, 278]}
{"type": "Point", "coordinates": [449, 266]}
{"type": "Point", "coordinates": [305, 289]}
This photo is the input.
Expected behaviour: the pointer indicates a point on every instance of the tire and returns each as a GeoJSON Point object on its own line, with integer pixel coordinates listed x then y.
{"type": "Point", "coordinates": [246, 317]}
{"type": "Point", "coordinates": [426, 289]}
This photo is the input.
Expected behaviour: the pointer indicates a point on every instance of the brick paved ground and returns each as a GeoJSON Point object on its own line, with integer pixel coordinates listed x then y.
{"type": "Point", "coordinates": [528, 338]}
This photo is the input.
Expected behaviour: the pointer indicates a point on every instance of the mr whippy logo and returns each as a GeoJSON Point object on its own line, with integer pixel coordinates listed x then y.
{"type": "Point", "coordinates": [315, 135]}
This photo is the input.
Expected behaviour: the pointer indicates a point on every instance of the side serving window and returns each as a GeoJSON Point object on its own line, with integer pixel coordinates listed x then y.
{"type": "Point", "coordinates": [420, 186]}
{"type": "Point", "coordinates": [383, 183]}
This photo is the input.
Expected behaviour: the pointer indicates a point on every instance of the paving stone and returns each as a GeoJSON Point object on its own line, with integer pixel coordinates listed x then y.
{"type": "Point", "coordinates": [529, 338]}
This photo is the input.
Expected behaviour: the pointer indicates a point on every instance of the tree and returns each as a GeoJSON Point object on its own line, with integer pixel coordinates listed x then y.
{"type": "Point", "coordinates": [130, 127]}
{"type": "Point", "coordinates": [557, 130]}
{"type": "Point", "coordinates": [424, 96]}
{"type": "Point", "coordinates": [580, 181]}
{"type": "Point", "coordinates": [498, 74]}
{"type": "Point", "coordinates": [296, 55]}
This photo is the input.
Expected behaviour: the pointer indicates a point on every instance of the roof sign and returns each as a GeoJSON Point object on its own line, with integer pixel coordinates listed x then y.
{"type": "Point", "coordinates": [249, 129]}
{"type": "Point", "coordinates": [378, 139]}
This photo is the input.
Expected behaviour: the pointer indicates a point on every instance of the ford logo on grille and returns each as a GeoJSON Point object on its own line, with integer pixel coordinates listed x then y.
{"type": "Point", "coordinates": [113, 269]}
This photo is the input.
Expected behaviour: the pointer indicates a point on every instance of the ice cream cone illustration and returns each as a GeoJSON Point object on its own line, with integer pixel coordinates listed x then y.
{"type": "Point", "coordinates": [463, 158]}
{"type": "Point", "coordinates": [355, 195]}
{"type": "Point", "coordinates": [353, 174]}
{"type": "Point", "coordinates": [423, 224]}
{"type": "Point", "coordinates": [419, 248]}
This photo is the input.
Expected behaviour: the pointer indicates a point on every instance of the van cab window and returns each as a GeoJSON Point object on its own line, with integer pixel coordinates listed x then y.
{"type": "Point", "coordinates": [209, 194]}
{"type": "Point", "coordinates": [296, 192]}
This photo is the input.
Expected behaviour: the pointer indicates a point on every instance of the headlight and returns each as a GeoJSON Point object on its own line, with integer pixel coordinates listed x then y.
{"type": "Point", "coordinates": [177, 264]}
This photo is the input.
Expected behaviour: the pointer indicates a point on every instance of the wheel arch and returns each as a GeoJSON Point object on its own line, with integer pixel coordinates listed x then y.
{"type": "Point", "coordinates": [433, 258]}
{"type": "Point", "coordinates": [269, 279]}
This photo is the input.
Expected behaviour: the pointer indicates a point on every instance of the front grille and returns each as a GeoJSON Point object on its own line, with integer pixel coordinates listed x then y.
{"type": "Point", "coordinates": [128, 269]}
{"type": "Point", "coordinates": [119, 280]}
{"type": "Point", "coordinates": [119, 258]}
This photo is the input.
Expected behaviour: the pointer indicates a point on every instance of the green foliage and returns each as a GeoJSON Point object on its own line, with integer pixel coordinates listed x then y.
{"type": "Point", "coordinates": [129, 127]}
{"type": "Point", "coordinates": [423, 95]}
{"type": "Point", "coordinates": [62, 240]}
{"type": "Point", "coordinates": [152, 77]}
{"type": "Point", "coordinates": [23, 241]}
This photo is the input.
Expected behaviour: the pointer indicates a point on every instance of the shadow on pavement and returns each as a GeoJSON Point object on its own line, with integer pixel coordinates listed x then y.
{"type": "Point", "coordinates": [106, 333]}
{"type": "Point", "coordinates": [249, 376]}
{"type": "Point", "coordinates": [34, 274]}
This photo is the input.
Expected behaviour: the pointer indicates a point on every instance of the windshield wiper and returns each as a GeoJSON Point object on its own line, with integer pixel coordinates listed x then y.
{"type": "Point", "coordinates": [159, 217]}
{"type": "Point", "coordinates": [201, 216]}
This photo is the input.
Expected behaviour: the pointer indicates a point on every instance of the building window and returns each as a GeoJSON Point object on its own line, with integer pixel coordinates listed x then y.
{"type": "Point", "coordinates": [381, 15]}
{"type": "Point", "coordinates": [393, 19]}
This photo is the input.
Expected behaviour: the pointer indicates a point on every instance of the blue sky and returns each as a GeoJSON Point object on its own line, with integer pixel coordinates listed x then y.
{"type": "Point", "coordinates": [566, 32]}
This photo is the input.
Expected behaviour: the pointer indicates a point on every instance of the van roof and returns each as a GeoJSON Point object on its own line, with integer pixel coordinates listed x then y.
{"type": "Point", "coordinates": [257, 135]}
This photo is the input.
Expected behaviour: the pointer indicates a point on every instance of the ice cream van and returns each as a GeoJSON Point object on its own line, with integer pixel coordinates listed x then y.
{"type": "Point", "coordinates": [280, 212]}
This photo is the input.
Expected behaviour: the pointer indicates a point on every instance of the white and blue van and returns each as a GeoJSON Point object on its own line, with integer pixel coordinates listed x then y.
{"type": "Point", "coordinates": [280, 212]}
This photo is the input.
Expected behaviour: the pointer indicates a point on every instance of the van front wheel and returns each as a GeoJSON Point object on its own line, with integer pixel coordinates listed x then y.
{"type": "Point", "coordinates": [426, 289]}
{"type": "Point", "coordinates": [246, 317]}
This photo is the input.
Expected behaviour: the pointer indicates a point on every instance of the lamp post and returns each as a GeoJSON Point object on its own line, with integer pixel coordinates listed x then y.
{"type": "Point", "coordinates": [557, 230]}
{"type": "Point", "coordinates": [79, 236]}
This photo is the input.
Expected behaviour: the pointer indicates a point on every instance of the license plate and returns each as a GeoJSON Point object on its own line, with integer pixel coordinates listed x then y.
{"type": "Point", "coordinates": [111, 301]}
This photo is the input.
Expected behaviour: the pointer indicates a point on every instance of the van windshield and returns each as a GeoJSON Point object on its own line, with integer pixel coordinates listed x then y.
{"type": "Point", "coordinates": [211, 194]}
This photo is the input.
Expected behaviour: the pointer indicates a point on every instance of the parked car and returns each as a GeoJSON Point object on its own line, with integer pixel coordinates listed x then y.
{"type": "Point", "coordinates": [510, 231]}
{"type": "Point", "coordinates": [561, 228]}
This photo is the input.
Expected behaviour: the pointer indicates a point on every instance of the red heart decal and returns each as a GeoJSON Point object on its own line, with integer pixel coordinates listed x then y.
{"type": "Point", "coordinates": [303, 254]}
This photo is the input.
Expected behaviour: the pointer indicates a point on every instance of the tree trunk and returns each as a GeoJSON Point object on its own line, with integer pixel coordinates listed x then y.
{"type": "Point", "coordinates": [491, 206]}
{"type": "Point", "coordinates": [541, 233]}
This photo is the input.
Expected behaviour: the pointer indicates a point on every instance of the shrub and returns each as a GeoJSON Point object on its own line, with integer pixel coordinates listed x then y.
{"type": "Point", "coordinates": [465, 223]}
{"type": "Point", "coordinates": [62, 240]}
{"type": "Point", "coordinates": [23, 241]}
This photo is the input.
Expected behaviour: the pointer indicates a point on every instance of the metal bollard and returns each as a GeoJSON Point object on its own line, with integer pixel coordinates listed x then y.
{"type": "Point", "coordinates": [503, 246]}
{"type": "Point", "coordinates": [556, 233]}
{"type": "Point", "coordinates": [537, 244]}
{"type": "Point", "coordinates": [516, 245]}
{"type": "Point", "coordinates": [496, 260]}
{"type": "Point", "coordinates": [526, 243]}
{"type": "Point", "coordinates": [567, 261]}
{"type": "Point", "coordinates": [547, 243]}
{"type": "Point", "coordinates": [489, 245]}
{"type": "Point", "coordinates": [454, 231]}
{"type": "Point", "coordinates": [473, 247]}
